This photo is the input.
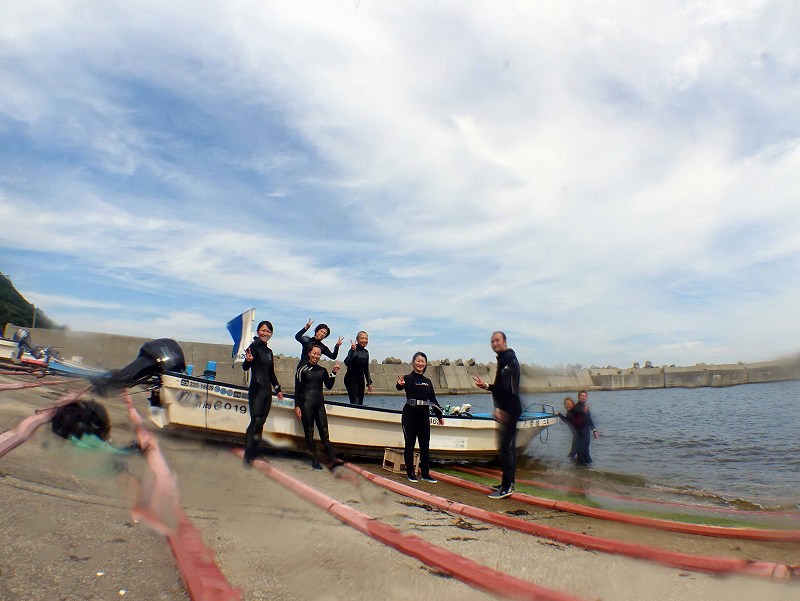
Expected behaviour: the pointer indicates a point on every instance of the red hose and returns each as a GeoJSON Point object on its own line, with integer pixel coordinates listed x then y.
{"type": "Point", "coordinates": [481, 471]}
{"type": "Point", "coordinates": [634, 520]}
{"type": "Point", "coordinates": [462, 568]}
{"type": "Point", "coordinates": [195, 562]}
{"type": "Point", "coordinates": [700, 563]}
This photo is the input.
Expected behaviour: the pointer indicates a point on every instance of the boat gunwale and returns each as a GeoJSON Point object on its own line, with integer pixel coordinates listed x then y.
{"type": "Point", "coordinates": [526, 416]}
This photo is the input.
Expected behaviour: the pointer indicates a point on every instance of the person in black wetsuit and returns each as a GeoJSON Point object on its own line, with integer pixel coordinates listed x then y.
{"type": "Point", "coordinates": [357, 362]}
{"type": "Point", "coordinates": [420, 401]}
{"type": "Point", "coordinates": [321, 332]}
{"type": "Point", "coordinates": [258, 358]}
{"type": "Point", "coordinates": [309, 405]}
{"type": "Point", "coordinates": [507, 410]}
{"type": "Point", "coordinates": [569, 406]}
{"type": "Point", "coordinates": [584, 426]}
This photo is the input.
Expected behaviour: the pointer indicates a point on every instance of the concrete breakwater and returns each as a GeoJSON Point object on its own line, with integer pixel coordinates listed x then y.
{"type": "Point", "coordinates": [112, 351]}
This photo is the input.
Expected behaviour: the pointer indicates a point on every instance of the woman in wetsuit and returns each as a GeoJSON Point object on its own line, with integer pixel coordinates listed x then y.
{"type": "Point", "coordinates": [357, 373]}
{"type": "Point", "coordinates": [420, 401]}
{"type": "Point", "coordinates": [569, 406]}
{"type": "Point", "coordinates": [321, 332]}
{"type": "Point", "coordinates": [258, 358]}
{"type": "Point", "coordinates": [309, 405]}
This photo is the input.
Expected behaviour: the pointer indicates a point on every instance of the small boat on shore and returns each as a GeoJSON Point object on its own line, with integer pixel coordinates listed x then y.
{"type": "Point", "coordinates": [18, 351]}
{"type": "Point", "coordinates": [219, 410]}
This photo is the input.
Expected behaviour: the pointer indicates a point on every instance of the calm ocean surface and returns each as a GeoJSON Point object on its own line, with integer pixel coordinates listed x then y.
{"type": "Point", "coordinates": [738, 442]}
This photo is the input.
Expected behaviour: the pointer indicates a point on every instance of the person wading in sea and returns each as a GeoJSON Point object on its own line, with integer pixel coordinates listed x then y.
{"type": "Point", "coordinates": [507, 409]}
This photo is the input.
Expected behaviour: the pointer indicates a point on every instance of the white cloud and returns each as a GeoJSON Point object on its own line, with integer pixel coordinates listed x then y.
{"type": "Point", "coordinates": [601, 181]}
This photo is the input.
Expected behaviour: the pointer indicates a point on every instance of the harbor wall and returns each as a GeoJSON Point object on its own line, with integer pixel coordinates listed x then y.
{"type": "Point", "coordinates": [109, 351]}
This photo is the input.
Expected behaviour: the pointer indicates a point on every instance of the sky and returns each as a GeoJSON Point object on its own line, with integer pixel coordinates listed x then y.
{"type": "Point", "coordinates": [606, 182]}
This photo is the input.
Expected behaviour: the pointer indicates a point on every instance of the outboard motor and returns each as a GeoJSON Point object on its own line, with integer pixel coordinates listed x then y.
{"type": "Point", "coordinates": [23, 339]}
{"type": "Point", "coordinates": [155, 357]}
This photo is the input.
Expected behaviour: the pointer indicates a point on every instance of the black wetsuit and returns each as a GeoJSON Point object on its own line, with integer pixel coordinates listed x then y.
{"type": "Point", "coordinates": [505, 395]}
{"type": "Point", "coordinates": [584, 426]}
{"type": "Point", "coordinates": [307, 342]}
{"type": "Point", "coordinates": [357, 362]}
{"type": "Point", "coordinates": [420, 401]}
{"type": "Point", "coordinates": [568, 419]}
{"type": "Point", "coordinates": [309, 398]}
{"type": "Point", "coordinates": [259, 394]}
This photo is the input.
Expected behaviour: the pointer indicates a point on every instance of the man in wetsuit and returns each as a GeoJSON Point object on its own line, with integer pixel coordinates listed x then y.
{"type": "Point", "coordinates": [584, 427]}
{"type": "Point", "coordinates": [309, 405]}
{"type": "Point", "coordinates": [507, 410]}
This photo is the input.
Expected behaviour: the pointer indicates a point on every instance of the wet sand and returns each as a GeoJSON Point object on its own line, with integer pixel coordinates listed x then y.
{"type": "Point", "coordinates": [66, 532]}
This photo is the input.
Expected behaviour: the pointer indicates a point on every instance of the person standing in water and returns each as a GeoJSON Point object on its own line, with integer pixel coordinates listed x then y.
{"type": "Point", "coordinates": [258, 358]}
{"type": "Point", "coordinates": [420, 401]}
{"type": "Point", "coordinates": [584, 427]}
{"type": "Point", "coordinates": [569, 418]}
{"type": "Point", "coordinates": [309, 405]}
{"type": "Point", "coordinates": [357, 362]}
{"type": "Point", "coordinates": [507, 410]}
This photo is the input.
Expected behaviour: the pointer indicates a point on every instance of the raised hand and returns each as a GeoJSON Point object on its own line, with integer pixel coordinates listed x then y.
{"type": "Point", "coordinates": [309, 322]}
{"type": "Point", "coordinates": [480, 383]}
{"type": "Point", "coordinates": [401, 380]}
{"type": "Point", "coordinates": [339, 342]}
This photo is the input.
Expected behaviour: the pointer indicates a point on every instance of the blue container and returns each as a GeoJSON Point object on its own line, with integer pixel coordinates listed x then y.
{"type": "Point", "coordinates": [211, 370]}
{"type": "Point", "coordinates": [189, 370]}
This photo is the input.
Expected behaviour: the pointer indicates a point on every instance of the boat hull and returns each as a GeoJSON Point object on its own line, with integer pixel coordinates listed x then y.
{"type": "Point", "coordinates": [10, 353]}
{"type": "Point", "coordinates": [218, 410]}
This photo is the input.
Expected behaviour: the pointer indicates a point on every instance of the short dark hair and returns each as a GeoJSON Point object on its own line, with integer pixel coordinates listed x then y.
{"type": "Point", "coordinates": [583, 392]}
{"type": "Point", "coordinates": [323, 326]}
{"type": "Point", "coordinates": [265, 323]}
{"type": "Point", "coordinates": [503, 334]}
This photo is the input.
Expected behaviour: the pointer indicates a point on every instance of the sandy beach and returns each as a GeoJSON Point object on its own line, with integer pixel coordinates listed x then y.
{"type": "Point", "coordinates": [66, 531]}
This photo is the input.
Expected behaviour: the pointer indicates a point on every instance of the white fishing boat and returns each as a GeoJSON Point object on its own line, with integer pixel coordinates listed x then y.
{"type": "Point", "coordinates": [218, 410]}
{"type": "Point", "coordinates": [16, 351]}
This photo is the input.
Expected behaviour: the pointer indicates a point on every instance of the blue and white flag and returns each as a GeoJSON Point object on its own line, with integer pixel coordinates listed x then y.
{"type": "Point", "coordinates": [241, 329]}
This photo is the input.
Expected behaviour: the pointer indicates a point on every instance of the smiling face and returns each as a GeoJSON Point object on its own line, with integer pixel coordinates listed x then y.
{"type": "Point", "coordinates": [420, 363]}
{"type": "Point", "coordinates": [498, 342]}
{"type": "Point", "coordinates": [362, 339]}
{"type": "Point", "coordinates": [321, 334]}
{"type": "Point", "coordinates": [314, 355]}
{"type": "Point", "coordinates": [264, 333]}
{"type": "Point", "coordinates": [569, 403]}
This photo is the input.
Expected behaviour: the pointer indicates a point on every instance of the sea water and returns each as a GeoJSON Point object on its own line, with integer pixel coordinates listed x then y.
{"type": "Point", "coordinates": [737, 442]}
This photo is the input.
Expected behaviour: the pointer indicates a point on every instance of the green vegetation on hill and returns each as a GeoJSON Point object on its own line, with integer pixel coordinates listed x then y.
{"type": "Point", "coordinates": [15, 309]}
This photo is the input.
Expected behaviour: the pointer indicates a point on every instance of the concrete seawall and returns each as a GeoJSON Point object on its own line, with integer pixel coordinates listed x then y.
{"type": "Point", "coordinates": [110, 351]}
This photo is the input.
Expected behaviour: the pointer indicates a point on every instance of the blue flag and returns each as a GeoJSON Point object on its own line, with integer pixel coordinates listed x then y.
{"type": "Point", "coordinates": [241, 329]}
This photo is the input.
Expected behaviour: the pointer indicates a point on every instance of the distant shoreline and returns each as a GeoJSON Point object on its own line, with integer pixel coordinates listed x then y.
{"type": "Point", "coordinates": [111, 350]}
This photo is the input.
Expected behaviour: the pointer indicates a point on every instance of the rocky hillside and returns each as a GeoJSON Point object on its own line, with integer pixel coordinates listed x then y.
{"type": "Point", "coordinates": [15, 309]}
